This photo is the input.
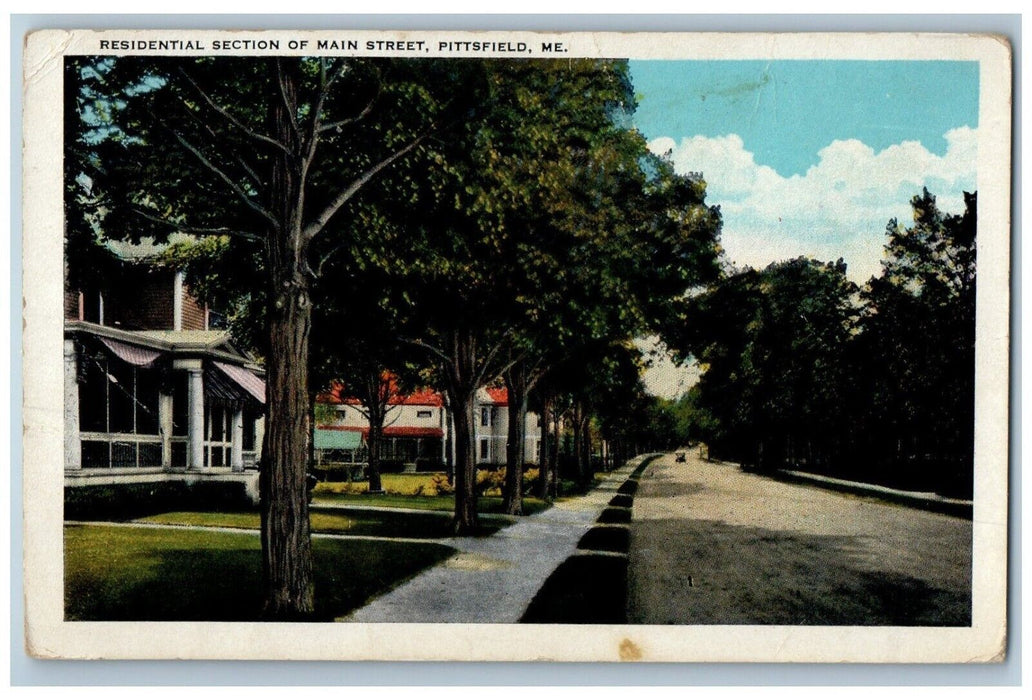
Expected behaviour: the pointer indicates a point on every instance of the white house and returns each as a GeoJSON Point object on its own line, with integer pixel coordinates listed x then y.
{"type": "Point", "coordinates": [419, 428]}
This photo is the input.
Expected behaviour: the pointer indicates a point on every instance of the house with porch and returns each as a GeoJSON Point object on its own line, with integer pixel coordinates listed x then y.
{"type": "Point", "coordinates": [419, 429]}
{"type": "Point", "coordinates": [152, 391]}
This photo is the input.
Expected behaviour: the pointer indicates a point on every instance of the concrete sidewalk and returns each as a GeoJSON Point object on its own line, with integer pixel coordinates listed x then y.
{"type": "Point", "coordinates": [493, 579]}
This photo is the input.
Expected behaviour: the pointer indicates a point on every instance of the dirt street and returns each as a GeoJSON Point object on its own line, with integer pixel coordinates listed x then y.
{"type": "Point", "coordinates": [710, 544]}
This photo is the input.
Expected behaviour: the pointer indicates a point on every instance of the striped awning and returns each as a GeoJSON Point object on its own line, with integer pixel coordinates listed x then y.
{"type": "Point", "coordinates": [133, 354]}
{"type": "Point", "coordinates": [245, 379]}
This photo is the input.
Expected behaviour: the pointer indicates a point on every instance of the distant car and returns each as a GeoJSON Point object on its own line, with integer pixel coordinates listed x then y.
{"type": "Point", "coordinates": [680, 457]}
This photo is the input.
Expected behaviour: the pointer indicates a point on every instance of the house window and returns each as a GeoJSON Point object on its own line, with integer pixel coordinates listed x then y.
{"type": "Point", "coordinates": [485, 417]}
{"type": "Point", "coordinates": [424, 414]}
{"type": "Point", "coordinates": [484, 449]}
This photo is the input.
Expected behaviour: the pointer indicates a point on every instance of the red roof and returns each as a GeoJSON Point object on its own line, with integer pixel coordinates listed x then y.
{"type": "Point", "coordinates": [499, 395]}
{"type": "Point", "coordinates": [390, 430]}
{"type": "Point", "coordinates": [337, 394]}
{"type": "Point", "coordinates": [420, 397]}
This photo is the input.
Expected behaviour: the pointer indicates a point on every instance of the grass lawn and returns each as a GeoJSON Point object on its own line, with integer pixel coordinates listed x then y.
{"type": "Point", "coordinates": [338, 521]}
{"type": "Point", "coordinates": [119, 573]}
{"type": "Point", "coordinates": [485, 504]}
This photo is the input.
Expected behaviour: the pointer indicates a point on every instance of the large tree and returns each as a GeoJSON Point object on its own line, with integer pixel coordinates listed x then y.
{"type": "Point", "coordinates": [357, 337]}
{"type": "Point", "coordinates": [918, 349]}
{"type": "Point", "coordinates": [269, 151]}
{"type": "Point", "coordinates": [490, 252]}
{"type": "Point", "coordinates": [772, 344]}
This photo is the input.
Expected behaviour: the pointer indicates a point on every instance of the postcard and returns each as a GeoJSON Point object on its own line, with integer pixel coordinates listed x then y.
{"type": "Point", "coordinates": [516, 346]}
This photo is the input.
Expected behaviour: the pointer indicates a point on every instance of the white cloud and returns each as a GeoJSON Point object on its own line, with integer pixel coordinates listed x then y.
{"type": "Point", "coordinates": [838, 208]}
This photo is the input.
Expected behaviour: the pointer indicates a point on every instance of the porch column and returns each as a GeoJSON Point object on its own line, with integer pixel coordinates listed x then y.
{"type": "Point", "coordinates": [444, 438]}
{"type": "Point", "coordinates": [195, 411]}
{"type": "Point", "coordinates": [259, 438]}
{"type": "Point", "coordinates": [165, 428]}
{"type": "Point", "coordinates": [236, 447]}
{"type": "Point", "coordinates": [72, 445]}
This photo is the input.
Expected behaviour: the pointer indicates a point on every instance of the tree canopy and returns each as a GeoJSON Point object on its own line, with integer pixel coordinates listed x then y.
{"type": "Point", "coordinates": [801, 368]}
{"type": "Point", "coordinates": [493, 214]}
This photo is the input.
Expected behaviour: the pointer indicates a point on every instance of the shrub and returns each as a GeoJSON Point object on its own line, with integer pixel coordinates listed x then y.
{"type": "Point", "coordinates": [490, 481]}
{"type": "Point", "coordinates": [344, 488]}
{"type": "Point", "coordinates": [531, 478]}
{"type": "Point", "coordinates": [568, 487]}
{"type": "Point", "coordinates": [128, 501]}
{"type": "Point", "coordinates": [441, 487]}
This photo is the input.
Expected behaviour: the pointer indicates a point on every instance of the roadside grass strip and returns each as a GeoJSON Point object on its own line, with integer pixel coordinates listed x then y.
{"type": "Point", "coordinates": [585, 589]}
{"type": "Point", "coordinates": [606, 538]}
{"type": "Point", "coordinates": [590, 587]}
{"type": "Point", "coordinates": [615, 515]}
{"type": "Point", "coordinates": [628, 488]}
{"type": "Point", "coordinates": [622, 501]}
{"type": "Point", "coordinates": [138, 573]}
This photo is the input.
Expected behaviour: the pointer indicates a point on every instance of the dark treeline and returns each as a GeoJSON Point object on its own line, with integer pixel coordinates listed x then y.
{"type": "Point", "coordinates": [805, 370]}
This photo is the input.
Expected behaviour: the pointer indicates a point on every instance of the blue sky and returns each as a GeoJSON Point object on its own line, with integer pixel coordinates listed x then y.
{"type": "Point", "coordinates": [814, 157]}
{"type": "Point", "coordinates": [811, 157]}
{"type": "Point", "coordinates": [786, 111]}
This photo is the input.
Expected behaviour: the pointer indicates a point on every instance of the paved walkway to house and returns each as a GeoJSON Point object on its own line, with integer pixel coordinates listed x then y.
{"type": "Point", "coordinates": [493, 579]}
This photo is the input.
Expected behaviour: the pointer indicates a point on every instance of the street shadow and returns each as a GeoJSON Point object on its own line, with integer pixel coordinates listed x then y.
{"type": "Point", "coordinates": [709, 572]}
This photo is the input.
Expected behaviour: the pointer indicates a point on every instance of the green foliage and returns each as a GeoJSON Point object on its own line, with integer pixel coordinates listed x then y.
{"type": "Point", "coordinates": [525, 225]}
{"type": "Point", "coordinates": [772, 345]}
{"type": "Point", "coordinates": [918, 347]}
{"type": "Point", "coordinates": [801, 368]}
{"type": "Point", "coordinates": [128, 501]}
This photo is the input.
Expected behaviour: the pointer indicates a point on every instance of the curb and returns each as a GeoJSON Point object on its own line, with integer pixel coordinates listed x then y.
{"type": "Point", "coordinates": [924, 501]}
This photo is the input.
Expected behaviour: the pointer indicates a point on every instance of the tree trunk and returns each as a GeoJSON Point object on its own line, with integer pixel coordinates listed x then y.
{"type": "Point", "coordinates": [286, 540]}
{"type": "Point", "coordinates": [516, 383]}
{"type": "Point", "coordinates": [286, 543]}
{"type": "Point", "coordinates": [377, 415]}
{"type": "Point", "coordinates": [466, 521]}
{"type": "Point", "coordinates": [585, 458]}
{"type": "Point", "coordinates": [462, 388]}
{"type": "Point", "coordinates": [375, 440]}
{"type": "Point", "coordinates": [581, 443]}
{"type": "Point", "coordinates": [553, 477]}
{"type": "Point", "coordinates": [576, 450]}
{"type": "Point", "coordinates": [545, 462]}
